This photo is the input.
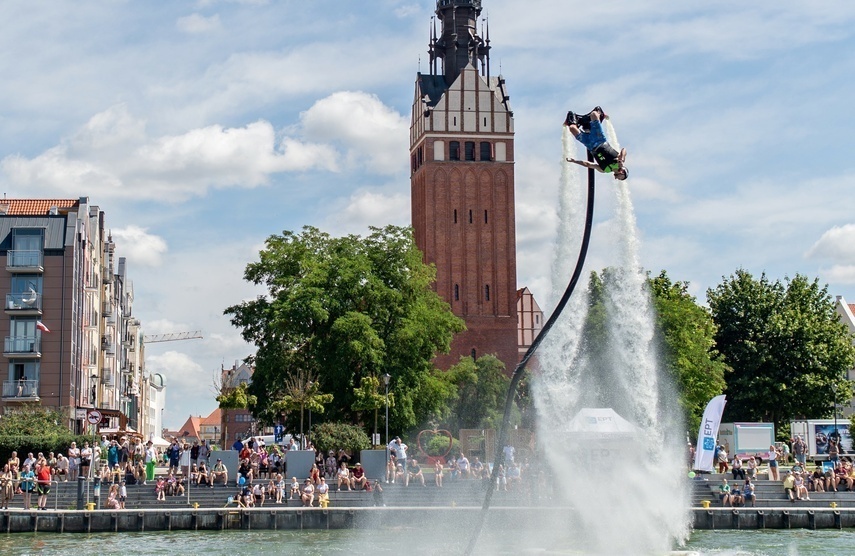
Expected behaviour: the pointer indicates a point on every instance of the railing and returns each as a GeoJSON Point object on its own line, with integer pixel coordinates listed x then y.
{"type": "Point", "coordinates": [107, 376]}
{"type": "Point", "coordinates": [25, 259]}
{"type": "Point", "coordinates": [22, 344]}
{"type": "Point", "coordinates": [21, 389]}
{"type": "Point", "coordinates": [27, 301]}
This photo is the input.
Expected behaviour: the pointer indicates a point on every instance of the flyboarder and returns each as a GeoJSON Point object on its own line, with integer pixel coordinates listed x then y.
{"type": "Point", "coordinates": [588, 130]}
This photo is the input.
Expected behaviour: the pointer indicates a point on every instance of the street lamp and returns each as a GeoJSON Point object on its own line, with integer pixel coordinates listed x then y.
{"type": "Point", "coordinates": [386, 378]}
{"type": "Point", "coordinates": [834, 399]}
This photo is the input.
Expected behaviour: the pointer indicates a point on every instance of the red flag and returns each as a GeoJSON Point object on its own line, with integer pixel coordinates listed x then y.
{"type": "Point", "coordinates": [41, 326]}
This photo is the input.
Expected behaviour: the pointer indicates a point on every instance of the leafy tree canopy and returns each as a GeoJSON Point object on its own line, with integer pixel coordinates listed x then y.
{"type": "Point", "coordinates": [788, 349]}
{"type": "Point", "coordinates": [341, 309]}
{"type": "Point", "coordinates": [482, 386]}
{"type": "Point", "coordinates": [687, 333]}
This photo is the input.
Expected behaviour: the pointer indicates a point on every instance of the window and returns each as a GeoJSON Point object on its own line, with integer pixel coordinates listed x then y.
{"type": "Point", "coordinates": [470, 150]}
{"type": "Point", "coordinates": [25, 370]}
{"type": "Point", "coordinates": [27, 239]}
{"type": "Point", "coordinates": [470, 216]}
{"type": "Point", "coordinates": [486, 150]}
{"type": "Point", "coordinates": [455, 216]}
{"type": "Point", "coordinates": [454, 150]}
{"type": "Point", "coordinates": [485, 216]}
{"type": "Point", "coordinates": [456, 292]}
{"type": "Point", "coordinates": [473, 354]}
{"type": "Point", "coordinates": [487, 292]}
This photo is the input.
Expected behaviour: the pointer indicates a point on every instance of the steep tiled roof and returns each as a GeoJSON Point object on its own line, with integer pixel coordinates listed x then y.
{"type": "Point", "coordinates": [36, 207]}
{"type": "Point", "coordinates": [852, 307]}
{"type": "Point", "coordinates": [214, 418]}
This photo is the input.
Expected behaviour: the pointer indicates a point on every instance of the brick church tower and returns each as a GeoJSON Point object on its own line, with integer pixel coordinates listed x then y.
{"type": "Point", "coordinates": [462, 184]}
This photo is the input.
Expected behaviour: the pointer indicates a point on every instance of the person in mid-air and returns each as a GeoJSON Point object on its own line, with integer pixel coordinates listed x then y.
{"type": "Point", "coordinates": [608, 159]}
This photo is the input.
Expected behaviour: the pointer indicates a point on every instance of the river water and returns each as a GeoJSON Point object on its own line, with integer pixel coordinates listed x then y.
{"type": "Point", "coordinates": [411, 541]}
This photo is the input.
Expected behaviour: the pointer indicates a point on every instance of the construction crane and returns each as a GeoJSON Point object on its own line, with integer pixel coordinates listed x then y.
{"type": "Point", "coordinates": [173, 337]}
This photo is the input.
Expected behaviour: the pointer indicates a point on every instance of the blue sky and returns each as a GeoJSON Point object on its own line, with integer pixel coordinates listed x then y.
{"type": "Point", "coordinates": [203, 127]}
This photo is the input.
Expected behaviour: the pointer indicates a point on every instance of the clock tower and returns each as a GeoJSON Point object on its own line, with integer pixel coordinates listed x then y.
{"type": "Point", "coordinates": [462, 184]}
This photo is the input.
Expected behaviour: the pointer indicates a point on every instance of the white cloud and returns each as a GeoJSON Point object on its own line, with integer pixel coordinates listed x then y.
{"type": "Point", "coordinates": [369, 208]}
{"type": "Point", "coordinates": [111, 156]}
{"type": "Point", "coordinates": [839, 274]}
{"type": "Point", "coordinates": [837, 243]}
{"type": "Point", "coordinates": [197, 23]}
{"type": "Point", "coordinates": [140, 247]}
{"type": "Point", "coordinates": [373, 135]}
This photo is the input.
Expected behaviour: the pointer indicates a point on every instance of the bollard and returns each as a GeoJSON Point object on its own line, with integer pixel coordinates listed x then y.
{"type": "Point", "coordinates": [80, 482]}
{"type": "Point", "coordinates": [96, 489]}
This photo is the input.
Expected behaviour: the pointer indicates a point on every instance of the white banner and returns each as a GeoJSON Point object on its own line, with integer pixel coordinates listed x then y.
{"type": "Point", "coordinates": [708, 433]}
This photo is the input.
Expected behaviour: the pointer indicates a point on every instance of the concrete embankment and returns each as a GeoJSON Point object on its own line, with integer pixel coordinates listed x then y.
{"type": "Point", "coordinates": [70, 521]}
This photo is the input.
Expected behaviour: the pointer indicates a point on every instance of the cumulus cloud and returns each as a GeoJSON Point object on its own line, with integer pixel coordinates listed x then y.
{"type": "Point", "coordinates": [372, 134]}
{"type": "Point", "coordinates": [369, 208]}
{"type": "Point", "coordinates": [197, 23]}
{"type": "Point", "coordinates": [112, 156]}
{"type": "Point", "coordinates": [837, 243]}
{"type": "Point", "coordinates": [140, 247]}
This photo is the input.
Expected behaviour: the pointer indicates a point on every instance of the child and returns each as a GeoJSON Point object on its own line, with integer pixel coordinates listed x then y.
{"type": "Point", "coordinates": [123, 495]}
{"type": "Point", "coordinates": [295, 489]}
{"type": "Point", "coordinates": [160, 489]}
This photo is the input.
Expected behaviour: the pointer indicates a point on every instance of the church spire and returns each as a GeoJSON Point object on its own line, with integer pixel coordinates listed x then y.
{"type": "Point", "coordinates": [459, 45]}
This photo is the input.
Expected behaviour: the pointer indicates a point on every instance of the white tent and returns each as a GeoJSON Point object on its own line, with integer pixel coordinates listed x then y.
{"type": "Point", "coordinates": [159, 441]}
{"type": "Point", "coordinates": [600, 421]}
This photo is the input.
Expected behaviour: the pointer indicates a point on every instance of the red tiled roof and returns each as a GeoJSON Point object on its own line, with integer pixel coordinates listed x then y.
{"type": "Point", "coordinates": [852, 307]}
{"type": "Point", "coordinates": [214, 418]}
{"type": "Point", "coordinates": [37, 207]}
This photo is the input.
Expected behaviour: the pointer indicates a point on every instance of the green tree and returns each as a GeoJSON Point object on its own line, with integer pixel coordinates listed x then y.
{"type": "Point", "coordinates": [788, 349]}
{"type": "Point", "coordinates": [341, 309]}
{"type": "Point", "coordinates": [482, 385]}
{"type": "Point", "coordinates": [301, 392]}
{"type": "Point", "coordinates": [687, 334]}
{"type": "Point", "coordinates": [368, 397]}
{"type": "Point", "coordinates": [232, 398]}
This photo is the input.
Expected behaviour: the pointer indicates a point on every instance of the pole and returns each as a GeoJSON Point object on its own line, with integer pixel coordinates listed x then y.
{"type": "Point", "coordinates": [386, 378]}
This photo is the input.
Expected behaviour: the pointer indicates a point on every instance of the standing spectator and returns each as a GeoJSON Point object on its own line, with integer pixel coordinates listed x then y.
{"type": "Point", "coordinates": [7, 485]}
{"type": "Point", "coordinates": [509, 452]}
{"type": "Point", "coordinates": [463, 466]}
{"type": "Point", "coordinates": [184, 460]}
{"type": "Point", "coordinates": [123, 495]}
{"type": "Point", "coordinates": [174, 455]}
{"type": "Point", "coordinates": [800, 450]}
{"type": "Point", "coordinates": [501, 480]}
{"type": "Point", "coordinates": [43, 485]}
{"type": "Point", "coordinates": [85, 459]}
{"type": "Point", "coordinates": [28, 485]}
{"type": "Point", "coordinates": [73, 461]}
{"type": "Point", "coordinates": [773, 464]}
{"type": "Point", "coordinates": [331, 464]}
{"type": "Point", "coordinates": [722, 459]}
{"type": "Point", "coordinates": [834, 448]}
{"type": "Point", "coordinates": [401, 454]}
{"type": "Point", "coordinates": [194, 454]}
{"type": "Point", "coordinates": [204, 452]}
{"type": "Point", "coordinates": [113, 459]}
{"type": "Point", "coordinates": [150, 461]}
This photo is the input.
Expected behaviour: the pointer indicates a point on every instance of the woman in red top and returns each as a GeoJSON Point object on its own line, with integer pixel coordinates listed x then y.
{"type": "Point", "coordinates": [43, 481]}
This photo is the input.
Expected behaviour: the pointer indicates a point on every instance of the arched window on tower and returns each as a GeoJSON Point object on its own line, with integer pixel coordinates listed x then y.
{"type": "Point", "coordinates": [456, 292]}
{"type": "Point", "coordinates": [455, 216]}
{"type": "Point", "coordinates": [487, 292]}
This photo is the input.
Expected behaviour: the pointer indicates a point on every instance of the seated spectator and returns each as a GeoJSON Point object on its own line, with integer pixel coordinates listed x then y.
{"type": "Point", "coordinates": [501, 480]}
{"type": "Point", "coordinates": [295, 489]}
{"type": "Point", "coordinates": [358, 478]}
{"type": "Point", "coordinates": [246, 495]}
{"type": "Point", "coordinates": [437, 473]}
{"type": "Point", "coordinates": [378, 494]}
{"type": "Point", "coordinates": [736, 498]}
{"type": "Point", "coordinates": [724, 493]}
{"type": "Point", "coordinates": [330, 465]}
{"type": "Point", "coordinates": [194, 474]}
{"type": "Point", "coordinates": [840, 474]}
{"type": "Point", "coordinates": [324, 493]}
{"type": "Point", "coordinates": [399, 474]}
{"type": "Point", "coordinates": [817, 480]}
{"type": "Point", "coordinates": [315, 475]}
{"type": "Point", "coordinates": [308, 493]}
{"type": "Point", "coordinates": [204, 477]}
{"type": "Point", "coordinates": [391, 469]}
{"type": "Point", "coordinates": [736, 468]}
{"type": "Point", "coordinates": [258, 495]}
{"type": "Point", "coordinates": [748, 492]}
{"type": "Point", "coordinates": [270, 491]}
{"type": "Point", "coordinates": [752, 468]}
{"type": "Point", "coordinates": [415, 471]}
{"type": "Point", "coordinates": [220, 472]}
{"type": "Point", "coordinates": [463, 466]}
{"type": "Point", "coordinates": [113, 498]}
{"type": "Point", "coordinates": [790, 486]}
{"type": "Point", "coordinates": [344, 477]}
{"type": "Point", "coordinates": [801, 487]}
{"type": "Point", "coordinates": [514, 476]}
{"type": "Point", "coordinates": [160, 489]}
{"type": "Point", "coordinates": [476, 467]}
{"type": "Point", "coordinates": [61, 468]}
{"type": "Point", "coordinates": [280, 488]}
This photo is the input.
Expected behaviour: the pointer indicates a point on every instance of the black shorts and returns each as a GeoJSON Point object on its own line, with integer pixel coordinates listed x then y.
{"type": "Point", "coordinates": [43, 489]}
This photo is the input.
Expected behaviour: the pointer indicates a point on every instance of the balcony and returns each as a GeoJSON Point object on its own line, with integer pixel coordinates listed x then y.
{"type": "Point", "coordinates": [21, 390]}
{"type": "Point", "coordinates": [107, 378]}
{"type": "Point", "coordinates": [24, 304]}
{"type": "Point", "coordinates": [107, 345]}
{"type": "Point", "coordinates": [25, 261]}
{"type": "Point", "coordinates": [23, 347]}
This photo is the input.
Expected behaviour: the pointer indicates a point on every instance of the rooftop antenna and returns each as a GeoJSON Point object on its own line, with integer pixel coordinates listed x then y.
{"type": "Point", "coordinates": [487, 35]}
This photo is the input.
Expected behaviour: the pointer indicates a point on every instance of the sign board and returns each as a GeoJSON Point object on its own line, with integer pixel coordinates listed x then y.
{"type": "Point", "coordinates": [80, 413]}
{"type": "Point", "coordinates": [93, 416]}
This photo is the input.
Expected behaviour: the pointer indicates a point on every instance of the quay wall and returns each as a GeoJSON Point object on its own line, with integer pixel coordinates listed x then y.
{"type": "Point", "coordinates": [174, 519]}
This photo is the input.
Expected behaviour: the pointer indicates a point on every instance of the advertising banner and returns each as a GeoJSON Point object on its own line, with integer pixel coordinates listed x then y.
{"type": "Point", "coordinates": [708, 434]}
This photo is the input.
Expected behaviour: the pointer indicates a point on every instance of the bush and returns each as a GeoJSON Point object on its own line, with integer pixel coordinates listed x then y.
{"type": "Point", "coordinates": [438, 446]}
{"type": "Point", "coordinates": [35, 443]}
{"type": "Point", "coordinates": [335, 436]}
